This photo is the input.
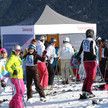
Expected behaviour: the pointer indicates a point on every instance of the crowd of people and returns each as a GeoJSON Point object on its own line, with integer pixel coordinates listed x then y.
{"type": "Point", "coordinates": [39, 57]}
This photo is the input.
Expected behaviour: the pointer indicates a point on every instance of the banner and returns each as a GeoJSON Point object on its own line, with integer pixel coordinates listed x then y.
{"type": "Point", "coordinates": [8, 41]}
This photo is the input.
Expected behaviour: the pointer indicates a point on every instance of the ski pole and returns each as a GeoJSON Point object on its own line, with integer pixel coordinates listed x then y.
{"type": "Point", "coordinates": [21, 92]}
{"type": "Point", "coordinates": [76, 73]}
{"type": "Point", "coordinates": [101, 73]}
{"type": "Point", "coordinates": [57, 70]}
{"type": "Point", "coordinates": [105, 71]}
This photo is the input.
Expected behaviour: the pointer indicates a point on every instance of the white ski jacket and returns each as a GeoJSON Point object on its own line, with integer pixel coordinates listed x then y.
{"type": "Point", "coordinates": [40, 48]}
{"type": "Point", "coordinates": [66, 51]}
{"type": "Point", "coordinates": [50, 53]}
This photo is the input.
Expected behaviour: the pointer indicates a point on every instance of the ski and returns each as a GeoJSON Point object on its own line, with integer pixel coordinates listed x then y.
{"type": "Point", "coordinates": [54, 93]}
{"type": "Point", "coordinates": [4, 100]}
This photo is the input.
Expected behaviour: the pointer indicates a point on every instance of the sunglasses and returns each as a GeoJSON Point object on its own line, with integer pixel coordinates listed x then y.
{"type": "Point", "coordinates": [3, 51]}
{"type": "Point", "coordinates": [17, 50]}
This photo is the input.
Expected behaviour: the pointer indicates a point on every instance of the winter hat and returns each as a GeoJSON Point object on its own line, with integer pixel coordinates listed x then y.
{"type": "Point", "coordinates": [32, 46]}
{"type": "Point", "coordinates": [3, 50]}
{"type": "Point", "coordinates": [89, 33]}
{"type": "Point", "coordinates": [98, 38]}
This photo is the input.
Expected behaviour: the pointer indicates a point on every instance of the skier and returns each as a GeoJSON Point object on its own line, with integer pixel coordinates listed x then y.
{"type": "Point", "coordinates": [14, 67]}
{"type": "Point", "coordinates": [103, 60]}
{"type": "Point", "coordinates": [34, 42]}
{"type": "Point", "coordinates": [104, 63]}
{"type": "Point", "coordinates": [88, 47]}
{"type": "Point", "coordinates": [50, 58]}
{"type": "Point", "coordinates": [4, 75]}
{"type": "Point", "coordinates": [65, 53]}
{"type": "Point", "coordinates": [32, 73]}
{"type": "Point", "coordinates": [98, 44]}
{"type": "Point", "coordinates": [42, 68]}
{"type": "Point", "coordinates": [75, 63]}
{"type": "Point", "coordinates": [46, 42]}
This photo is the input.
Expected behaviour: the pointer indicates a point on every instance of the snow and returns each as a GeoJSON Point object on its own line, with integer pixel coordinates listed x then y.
{"type": "Point", "coordinates": [61, 100]}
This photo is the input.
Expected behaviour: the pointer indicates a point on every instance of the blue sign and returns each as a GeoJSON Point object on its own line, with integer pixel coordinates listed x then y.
{"type": "Point", "coordinates": [17, 39]}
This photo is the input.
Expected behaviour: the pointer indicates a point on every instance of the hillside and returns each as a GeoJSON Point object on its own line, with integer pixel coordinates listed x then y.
{"type": "Point", "coordinates": [93, 11]}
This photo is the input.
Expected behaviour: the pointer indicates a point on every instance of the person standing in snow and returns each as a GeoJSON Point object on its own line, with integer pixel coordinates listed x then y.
{"type": "Point", "coordinates": [46, 42]}
{"type": "Point", "coordinates": [32, 73]}
{"type": "Point", "coordinates": [98, 45]}
{"type": "Point", "coordinates": [50, 58]}
{"type": "Point", "coordinates": [14, 67]}
{"type": "Point", "coordinates": [34, 42]}
{"type": "Point", "coordinates": [103, 60]}
{"type": "Point", "coordinates": [88, 47]}
{"type": "Point", "coordinates": [65, 53]}
{"type": "Point", "coordinates": [42, 68]}
{"type": "Point", "coordinates": [75, 63]}
{"type": "Point", "coordinates": [4, 75]}
{"type": "Point", "coordinates": [25, 52]}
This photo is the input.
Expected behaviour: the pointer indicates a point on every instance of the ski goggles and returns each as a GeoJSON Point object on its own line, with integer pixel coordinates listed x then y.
{"type": "Point", "coordinates": [18, 50]}
{"type": "Point", "coordinates": [3, 51]}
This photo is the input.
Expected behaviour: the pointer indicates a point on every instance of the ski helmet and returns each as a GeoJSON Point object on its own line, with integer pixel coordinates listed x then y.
{"type": "Point", "coordinates": [16, 47]}
{"type": "Point", "coordinates": [53, 40]}
{"type": "Point", "coordinates": [34, 40]}
{"type": "Point", "coordinates": [42, 38]}
{"type": "Point", "coordinates": [3, 50]}
{"type": "Point", "coordinates": [32, 46]}
{"type": "Point", "coordinates": [66, 39]}
{"type": "Point", "coordinates": [98, 38]}
{"type": "Point", "coordinates": [89, 33]}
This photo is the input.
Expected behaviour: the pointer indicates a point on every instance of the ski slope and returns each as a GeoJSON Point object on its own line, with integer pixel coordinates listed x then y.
{"type": "Point", "coordinates": [61, 100]}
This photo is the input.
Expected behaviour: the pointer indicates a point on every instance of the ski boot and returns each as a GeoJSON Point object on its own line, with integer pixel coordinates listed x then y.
{"type": "Point", "coordinates": [85, 95]}
{"type": "Point", "coordinates": [91, 95]}
{"type": "Point", "coordinates": [43, 99]}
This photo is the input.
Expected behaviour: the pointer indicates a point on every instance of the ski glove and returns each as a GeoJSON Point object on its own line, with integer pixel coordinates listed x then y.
{"type": "Point", "coordinates": [44, 53]}
{"type": "Point", "coordinates": [15, 72]}
{"type": "Point", "coordinates": [3, 83]}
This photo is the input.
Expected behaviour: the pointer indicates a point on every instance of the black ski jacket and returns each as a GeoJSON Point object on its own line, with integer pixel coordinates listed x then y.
{"type": "Point", "coordinates": [88, 47]}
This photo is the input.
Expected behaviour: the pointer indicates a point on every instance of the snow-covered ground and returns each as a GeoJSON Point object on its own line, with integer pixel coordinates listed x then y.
{"type": "Point", "coordinates": [62, 100]}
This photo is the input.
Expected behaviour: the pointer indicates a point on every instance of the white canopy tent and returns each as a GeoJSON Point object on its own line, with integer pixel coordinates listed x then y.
{"type": "Point", "coordinates": [51, 22]}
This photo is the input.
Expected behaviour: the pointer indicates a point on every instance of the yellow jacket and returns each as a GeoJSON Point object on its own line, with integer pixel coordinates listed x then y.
{"type": "Point", "coordinates": [14, 63]}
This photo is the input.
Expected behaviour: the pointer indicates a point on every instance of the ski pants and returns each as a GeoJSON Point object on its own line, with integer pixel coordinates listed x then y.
{"type": "Point", "coordinates": [43, 74]}
{"type": "Point", "coordinates": [90, 69]}
{"type": "Point", "coordinates": [51, 73]}
{"type": "Point", "coordinates": [32, 74]}
{"type": "Point", "coordinates": [102, 66]}
{"type": "Point", "coordinates": [65, 67]}
{"type": "Point", "coordinates": [17, 101]}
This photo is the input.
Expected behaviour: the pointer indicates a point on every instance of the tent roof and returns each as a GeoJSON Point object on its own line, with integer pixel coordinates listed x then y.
{"type": "Point", "coordinates": [49, 16]}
